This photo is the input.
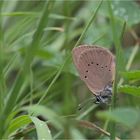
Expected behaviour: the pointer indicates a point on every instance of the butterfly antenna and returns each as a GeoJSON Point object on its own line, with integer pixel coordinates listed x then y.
{"type": "Point", "coordinates": [80, 106]}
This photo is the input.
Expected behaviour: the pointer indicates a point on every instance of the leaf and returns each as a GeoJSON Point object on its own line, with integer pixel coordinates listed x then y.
{"type": "Point", "coordinates": [135, 91]}
{"type": "Point", "coordinates": [123, 9]}
{"type": "Point", "coordinates": [18, 123]}
{"type": "Point", "coordinates": [43, 132]}
{"type": "Point", "coordinates": [47, 113]}
{"type": "Point", "coordinates": [126, 116]}
{"type": "Point", "coordinates": [131, 75]}
{"type": "Point", "coordinates": [19, 14]}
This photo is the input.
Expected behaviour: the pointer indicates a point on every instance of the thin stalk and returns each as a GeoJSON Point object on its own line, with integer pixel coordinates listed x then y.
{"type": "Point", "coordinates": [69, 55]}
{"type": "Point", "coordinates": [99, 38]}
{"type": "Point", "coordinates": [38, 35]}
{"type": "Point", "coordinates": [117, 47]}
{"type": "Point", "coordinates": [130, 60]}
{"type": "Point", "coordinates": [123, 30]}
{"type": "Point", "coordinates": [31, 78]}
{"type": "Point", "coordinates": [88, 25]}
{"type": "Point", "coordinates": [90, 125]}
{"type": "Point", "coordinates": [132, 56]}
{"type": "Point", "coordinates": [2, 79]}
{"type": "Point", "coordinates": [82, 115]}
{"type": "Point", "coordinates": [51, 84]}
{"type": "Point", "coordinates": [121, 80]}
{"type": "Point", "coordinates": [35, 43]}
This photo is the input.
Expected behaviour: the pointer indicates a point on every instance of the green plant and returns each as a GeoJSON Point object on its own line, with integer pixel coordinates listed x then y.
{"type": "Point", "coordinates": [39, 87]}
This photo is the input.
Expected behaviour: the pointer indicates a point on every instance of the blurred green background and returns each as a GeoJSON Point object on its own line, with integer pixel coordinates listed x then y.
{"type": "Point", "coordinates": [39, 86]}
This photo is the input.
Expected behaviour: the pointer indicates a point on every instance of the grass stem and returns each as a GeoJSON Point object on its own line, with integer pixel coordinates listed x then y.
{"type": "Point", "coordinates": [68, 57]}
{"type": "Point", "coordinates": [115, 85]}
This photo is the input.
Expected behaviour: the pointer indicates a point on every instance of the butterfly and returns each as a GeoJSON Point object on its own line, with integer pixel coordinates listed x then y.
{"type": "Point", "coordinates": [96, 67]}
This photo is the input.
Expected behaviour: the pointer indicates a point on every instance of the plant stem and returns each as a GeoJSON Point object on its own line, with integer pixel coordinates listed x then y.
{"type": "Point", "coordinates": [88, 25]}
{"type": "Point", "coordinates": [38, 35]}
{"type": "Point", "coordinates": [2, 80]}
{"type": "Point", "coordinates": [90, 125]}
{"type": "Point", "coordinates": [131, 58]}
{"type": "Point", "coordinates": [69, 56]}
{"type": "Point", "coordinates": [117, 48]}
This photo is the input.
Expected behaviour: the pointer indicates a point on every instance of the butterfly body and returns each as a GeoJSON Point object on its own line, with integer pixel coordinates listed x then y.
{"type": "Point", "coordinates": [105, 95]}
{"type": "Point", "coordinates": [96, 67]}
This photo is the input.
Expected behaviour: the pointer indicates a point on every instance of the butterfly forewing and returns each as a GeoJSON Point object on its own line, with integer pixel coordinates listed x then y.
{"type": "Point", "coordinates": [76, 52]}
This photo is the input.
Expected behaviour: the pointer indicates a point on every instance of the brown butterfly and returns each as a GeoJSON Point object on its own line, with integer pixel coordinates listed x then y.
{"type": "Point", "coordinates": [96, 67]}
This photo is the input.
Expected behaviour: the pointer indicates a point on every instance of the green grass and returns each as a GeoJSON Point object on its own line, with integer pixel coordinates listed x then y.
{"type": "Point", "coordinates": [39, 87]}
{"type": "Point", "coordinates": [117, 59]}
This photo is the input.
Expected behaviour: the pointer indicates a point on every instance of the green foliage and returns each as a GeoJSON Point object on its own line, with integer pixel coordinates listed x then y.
{"type": "Point", "coordinates": [47, 113]}
{"type": "Point", "coordinates": [129, 89]}
{"type": "Point", "coordinates": [131, 75]}
{"type": "Point", "coordinates": [132, 90]}
{"type": "Point", "coordinates": [39, 86]}
{"type": "Point", "coordinates": [127, 116]}
{"type": "Point", "coordinates": [124, 11]}
{"type": "Point", "coordinates": [18, 122]}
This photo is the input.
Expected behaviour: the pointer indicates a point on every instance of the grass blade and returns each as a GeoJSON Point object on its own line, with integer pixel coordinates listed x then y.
{"type": "Point", "coordinates": [12, 95]}
{"type": "Point", "coordinates": [117, 48]}
{"type": "Point", "coordinates": [2, 79]}
{"type": "Point", "coordinates": [68, 57]}
{"type": "Point", "coordinates": [18, 123]}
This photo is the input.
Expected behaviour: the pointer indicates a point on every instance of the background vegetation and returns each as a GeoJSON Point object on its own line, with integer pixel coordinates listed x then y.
{"type": "Point", "coordinates": [39, 86]}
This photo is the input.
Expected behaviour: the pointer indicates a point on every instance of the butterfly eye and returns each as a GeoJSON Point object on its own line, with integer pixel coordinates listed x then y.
{"type": "Point", "coordinates": [109, 70]}
{"type": "Point", "coordinates": [85, 77]}
{"type": "Point", "coordinates": [97, 64]}
{"type": "Point", "coordinates": [88, 64]}
{"type": "Point", "coordinates": [102, 67]}
{"type": "Point", "coordinates": [86, 70]}
{"type": "Point", "coordinates": [91, 62]}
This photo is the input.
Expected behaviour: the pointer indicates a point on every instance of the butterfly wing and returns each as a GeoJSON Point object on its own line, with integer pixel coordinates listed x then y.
{"type": "Point", "coordinates": [76, 52]}
{"type": "Point", "coordinates": [96, 67]}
